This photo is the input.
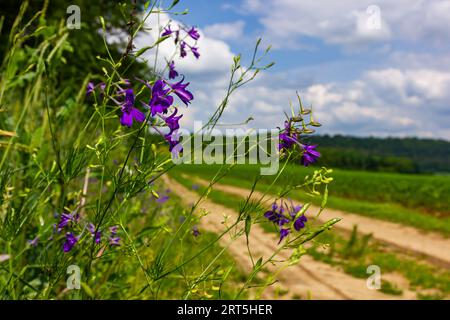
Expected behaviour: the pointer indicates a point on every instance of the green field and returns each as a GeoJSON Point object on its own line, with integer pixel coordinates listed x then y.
{"type": "Point", "coordinates": [421, 201]}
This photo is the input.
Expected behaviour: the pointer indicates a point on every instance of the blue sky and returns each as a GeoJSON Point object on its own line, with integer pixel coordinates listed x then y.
{"type": "Point", "coordinates": [379, 68]}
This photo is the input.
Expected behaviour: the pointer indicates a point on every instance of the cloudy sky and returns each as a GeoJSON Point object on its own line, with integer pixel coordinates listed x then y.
{"type": "Point", "coordinates": [379, 68]}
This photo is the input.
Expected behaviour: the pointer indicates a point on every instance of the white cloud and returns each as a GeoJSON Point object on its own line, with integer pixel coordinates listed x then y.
{"type": "Point", "coordinates": [226, 31]}
{"type": "Point", "coordinates": [347, 22]}
{"type": "Point", "coordinates": [385, 102]}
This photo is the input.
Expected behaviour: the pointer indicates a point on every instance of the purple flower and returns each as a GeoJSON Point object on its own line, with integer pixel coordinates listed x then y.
{"type": "Point", "coordinates": [180, 90]}
{"type": "Point", "coordinates": [167, 31]}
{"type": "Point", "coordinates": [129, 112]}
{"type": "Point", "coordinates": [113, 230]}
{"type": "Point", "coordinates": [96, 234]}
{"type": "Point", "coordinates": [172, 121]}
{"type": "Point", "coordinates": [114, 241]}
{"type": "Point", "coordinates": [90, 88]}
{"type": "Point", "coordinates": [183, 52]}
{"type": "Point", "coordinates": [283, 234]}
{"type": "Point", "coordinates": [276, 215]}
{"type": "Point", "coordinates": [193, 33]}
{"type": "Point", "coordinates": [195, 187]}
{"type": "Point", "coordinates": [160, 101]}
{"type": "Point", "coordinates": [288, 137]}
{"type": "Point", "coordinates": [162, 199]}
{"type": "Point", "coordinates": [310, 155]}
{"type": "Point", "coordinates": [33, 242]}
{"type": "Point", "coordinates": [67, 219]}
{"type": "Point", "coordinates": [195, 231]}
{"type": "Point", "coordinates": [172, 72]}
{"type": "Point", "coordinates": [172, 139]}
{"type": "Point", "coordinates": [195, 52]}
{"type": "Point", "coordinates": [299, 223]}
{"type": "Point", "coordinates": [71, 240]}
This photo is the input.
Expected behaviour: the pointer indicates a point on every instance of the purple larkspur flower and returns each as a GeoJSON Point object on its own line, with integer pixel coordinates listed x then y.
{"type": "Point", "coordinates": [90, 88]}
{"type": "Point", "coordinates": [173, 140]}
{"type": "Point", "coordinates": [283, 234]}
{"type": "Point", "coordinates": [114, 241]}
{"type": "Point", "coordinates": [167, 31]}
{"type": "Point", "coordinates": [172, 121]}
{"type": "Point", "coordinates": [195, 231]}
{"type": "Point", "coordinates": [310, 155]}
{"type": "Point", "coordinates": [299, 223]}
{"type": "Point", "coordinates": [33, 242]}
{"type": "Point", "coordinates": [276, 215]}
{"type": "Point", "coordinates": [129, 112]}
{"type": "Point", "coordinates": [96, 234]}
{"type": "Point", "coordinates": [163, 199]}
{"type": "Point", "coordinates": [180, 90]}
{"type": "Point", "coordinates": [295, 209]}
{"type": "Point", "coordinates": [183, 52]}
{"type": "Point", "coordinates": [194, 34]}
{"type": "Point", "coordinates": [288, 137]}
{"type": "Point", "coordinates": [195, 52]}
{"type": "Point", "coordinates": [160, 101]}
{"type": "Point", "coordinates": [113, 230]}
{"type": "Point", "coordinates": [71, 240]}
{"type": "Point", "coordinates": [172, 72]}
{"type": "Point", "coordinates": [67, 219]}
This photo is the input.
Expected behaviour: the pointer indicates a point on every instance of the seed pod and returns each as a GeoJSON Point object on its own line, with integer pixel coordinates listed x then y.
{"type": "Point", "coordinates": [306, 111]}
{"type": "Point", "coordinates": [308, 131]}
{"type": "Point", "coordinates": [315, 124]}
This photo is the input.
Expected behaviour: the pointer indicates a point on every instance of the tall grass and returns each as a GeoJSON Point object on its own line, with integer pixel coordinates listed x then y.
{"type": "Point", "coordinates": [78, 189]}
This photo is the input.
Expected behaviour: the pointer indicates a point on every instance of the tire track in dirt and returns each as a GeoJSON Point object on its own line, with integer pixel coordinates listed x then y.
{"type": "Point", "coordinates": [307, 279]}
{"type": "Point", "coordinates": [432, 246]}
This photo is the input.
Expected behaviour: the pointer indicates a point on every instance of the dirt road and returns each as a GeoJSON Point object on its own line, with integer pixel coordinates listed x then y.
{"type": "Point", "coordinates": [433, 246]}
{"type": "Point", "coordinates": [308, 279]}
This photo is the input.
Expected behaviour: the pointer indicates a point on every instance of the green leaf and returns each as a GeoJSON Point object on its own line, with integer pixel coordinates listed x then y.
{"type": "Point", "coordinates": [88, 290]}
{"type": "Point", "coordinates": [144, 49]}
{"type": "Point", "coordinates": [174, 3]}
{"type": "Point", "coordinates": [248, 225]}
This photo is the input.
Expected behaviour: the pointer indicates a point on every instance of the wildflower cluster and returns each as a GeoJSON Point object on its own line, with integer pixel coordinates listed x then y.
{"type": "Point", "coordinates": [161, 101]}
{"type": "Point", "coordinates": [180, 35]}
{"type": "Point", "coordinates": [161, 92]}
{"type": "Point", "coordinates": [72, 224]}
{"type": "Point", "coordinates": [286, 217]}
{"type": "Point", "coordinates": [290, 137]}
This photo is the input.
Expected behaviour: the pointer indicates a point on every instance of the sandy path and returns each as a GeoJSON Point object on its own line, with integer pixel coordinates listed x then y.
{"type": "Point", "coordinates": [433, 246]}
{"type": "Point", "coordinates": [309, 278]}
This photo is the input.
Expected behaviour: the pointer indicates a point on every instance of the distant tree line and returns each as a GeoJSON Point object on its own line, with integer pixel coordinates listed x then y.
{"type": "Point", "coordinates": [406, 155]}
{"type": "Point", "coordinates": [402, 155]}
